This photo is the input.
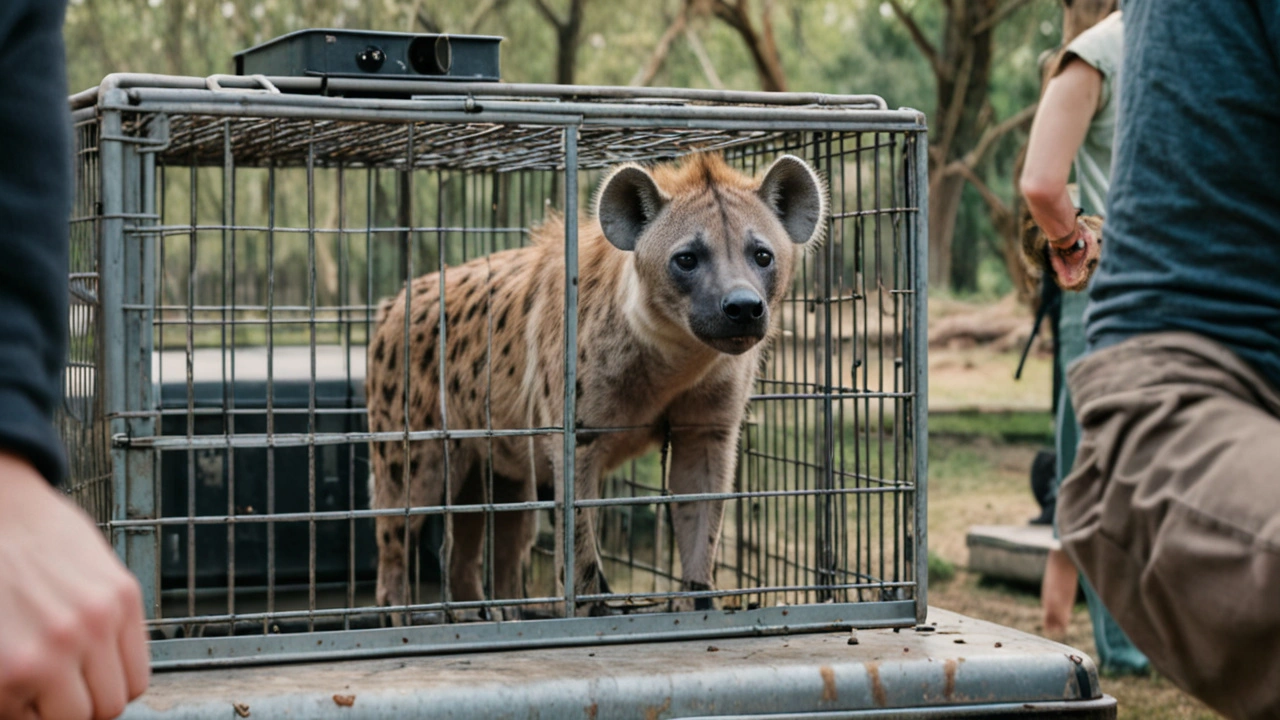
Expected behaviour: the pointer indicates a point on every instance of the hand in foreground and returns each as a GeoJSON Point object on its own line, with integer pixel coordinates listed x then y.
{"type": "Point", "coordinates": [1075, 257]}
{"type": "Point", "coordinates": [72, 639]}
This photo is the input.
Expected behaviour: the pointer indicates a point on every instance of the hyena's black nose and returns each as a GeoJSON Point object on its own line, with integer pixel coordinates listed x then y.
{"type": "Point", "coordinates": [742, 305]}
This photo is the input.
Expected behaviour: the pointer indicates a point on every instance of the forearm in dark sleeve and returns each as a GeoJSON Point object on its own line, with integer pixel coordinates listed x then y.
{"type": "Point", "coordinates": [35, 201]}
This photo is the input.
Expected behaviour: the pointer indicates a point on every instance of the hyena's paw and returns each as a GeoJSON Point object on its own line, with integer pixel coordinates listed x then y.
{"type": "Point", "coordinates": [483, 614]}
{"type": "Point", "coordinates": [594, 583]}
{"type": "Point", "coordinates": [691, 604]}
{"type": "Point", "coordinates": [391, 593]}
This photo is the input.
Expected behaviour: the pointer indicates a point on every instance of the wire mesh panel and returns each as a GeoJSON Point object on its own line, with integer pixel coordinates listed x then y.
{"type": "Point", "coordinates": [81, 418]}
{"type": "Point", "coordinates": [257, 242]}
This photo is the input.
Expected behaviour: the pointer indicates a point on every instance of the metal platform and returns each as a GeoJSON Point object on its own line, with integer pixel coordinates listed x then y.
{"type": "Point", "coordinates": [953, 667]}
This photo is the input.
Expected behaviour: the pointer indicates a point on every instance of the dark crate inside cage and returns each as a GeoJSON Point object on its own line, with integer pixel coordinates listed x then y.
{"type": "Point", "coordinates": [232, 250]}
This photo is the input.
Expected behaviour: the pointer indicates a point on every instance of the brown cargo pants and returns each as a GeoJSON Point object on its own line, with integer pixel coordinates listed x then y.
{"type": "Point", "coordinates": [1173, 512]}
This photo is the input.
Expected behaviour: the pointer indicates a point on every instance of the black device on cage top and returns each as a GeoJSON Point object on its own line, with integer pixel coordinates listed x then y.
{"type": "Point", "coordinates": [367, 53]}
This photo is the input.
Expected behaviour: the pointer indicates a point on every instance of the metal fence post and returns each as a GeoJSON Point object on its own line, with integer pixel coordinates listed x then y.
{"type": "Point", "coordinates": [127, 262]}
{"type": "Point", "coordinates": [570, 355]}
{"type": "Point", "coordinates": [825, 266]}
{"type": "Point", "coordinates": [919, 187]}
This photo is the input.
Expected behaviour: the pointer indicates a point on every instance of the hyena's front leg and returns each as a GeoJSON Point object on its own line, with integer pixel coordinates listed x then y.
{"type": "Point", "coordinates": [393, 565]}
{"type": "Point", "coordinates": [425, 486]}
{"type": "Point", "coordinates": [587, 571]}
{"type": "Point", "coordinates": [704, 454]}
{"type": "Point", "coordinates": [702, 461]}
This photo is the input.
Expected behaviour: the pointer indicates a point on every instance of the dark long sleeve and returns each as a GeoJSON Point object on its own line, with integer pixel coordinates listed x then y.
{"type": "Point", "coordinates": [35, 205]}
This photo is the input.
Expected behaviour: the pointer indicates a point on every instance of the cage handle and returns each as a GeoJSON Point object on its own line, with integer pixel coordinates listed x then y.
{"type": "Point", "coordinates": [214, 82]}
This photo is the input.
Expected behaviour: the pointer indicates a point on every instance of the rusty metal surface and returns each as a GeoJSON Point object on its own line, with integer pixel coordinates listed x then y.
{"type": "Point", "coordinates": [953, 662]}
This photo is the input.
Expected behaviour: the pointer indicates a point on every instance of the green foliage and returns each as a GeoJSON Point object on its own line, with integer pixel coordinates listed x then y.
{"type": "Point", "coordinates": [833, 46]}
{"type": "Point", "coordinates": [940, 569]}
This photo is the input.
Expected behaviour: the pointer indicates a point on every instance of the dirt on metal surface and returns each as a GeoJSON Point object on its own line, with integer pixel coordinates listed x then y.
{"type": "Point", "coordinates": [796, 673]}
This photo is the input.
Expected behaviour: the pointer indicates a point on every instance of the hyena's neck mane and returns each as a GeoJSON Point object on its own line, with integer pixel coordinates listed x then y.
{"type": "Point", "coordinates": [616, 310]}
{"type": "Point", "coordinates": [649, 327]}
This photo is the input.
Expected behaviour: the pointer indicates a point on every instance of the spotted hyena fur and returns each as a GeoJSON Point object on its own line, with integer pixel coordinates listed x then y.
{"type": "Point", "coordinates": [681, 269]}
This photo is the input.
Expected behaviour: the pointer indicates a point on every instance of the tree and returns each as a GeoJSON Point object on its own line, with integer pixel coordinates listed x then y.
{"type": "Point", "coordinates": [760, 43]}
{"type": "Point", "coordinates": [963, 129]}
{"type": "Point", "coordinates": [568, 36]}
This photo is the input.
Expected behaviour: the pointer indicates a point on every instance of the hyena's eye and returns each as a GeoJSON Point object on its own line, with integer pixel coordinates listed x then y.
{"type": "Point", "coordinates": [686, 261]}
{"type": "Point", "coordinates": [764, 258]}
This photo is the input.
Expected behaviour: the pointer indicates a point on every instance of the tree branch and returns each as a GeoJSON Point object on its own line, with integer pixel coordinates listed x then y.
{"type": "Point", "coordinates": [425, 20]}
{"type": "Point", "coordinates": [482, 12]}
{"type": "Point", "coordinates": [645, 74]}
{"type": "Point", "coordinates": [733, 15]}
{"type": "Point", "coordinates": [956, 105]}
{"type": "Point", "coordinates": [1000, 213]}
{"type": "Point", "coordinates": [999, 16]}
{"type": "Point", "coordinates": [548, 13]}
{"type": "Point", "coordinates": [773, 62]}
{"type": "Point", "coordinates": [917, 36]}
{"type": "Point", "coordinates": [995, 132]}
{"type": "Point", "coordinates": [700, 52]}
{"type": "Point", "coordinates": [936, 158]}
{"type": "Point", "coordinates": [763, 49]}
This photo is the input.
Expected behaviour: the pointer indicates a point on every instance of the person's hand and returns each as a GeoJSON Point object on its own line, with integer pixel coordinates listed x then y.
{"type": "Point", "coordinates": [72, 639]}
{"type": "Point", "coordinates": [1075, 257]}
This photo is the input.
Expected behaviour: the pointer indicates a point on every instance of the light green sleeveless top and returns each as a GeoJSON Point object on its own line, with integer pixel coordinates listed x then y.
{"type": "Point", "coordinates": [1102, 47]}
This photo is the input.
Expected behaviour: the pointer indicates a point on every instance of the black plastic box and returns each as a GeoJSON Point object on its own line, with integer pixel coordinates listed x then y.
{"type": "Point", "coordinates": [341, 477]}
{"type": "Point", "coordinates": [371, 54]}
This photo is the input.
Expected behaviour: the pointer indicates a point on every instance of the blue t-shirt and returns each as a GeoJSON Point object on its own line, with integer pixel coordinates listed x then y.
{"type": "Point", "coordinates": [1192, 240]}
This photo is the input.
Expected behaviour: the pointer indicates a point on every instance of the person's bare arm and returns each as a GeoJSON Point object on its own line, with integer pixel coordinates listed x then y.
{"type": "Point", "coordinates": [72, 640]}
{"type": "Point", "coordinates": [1059, 128]}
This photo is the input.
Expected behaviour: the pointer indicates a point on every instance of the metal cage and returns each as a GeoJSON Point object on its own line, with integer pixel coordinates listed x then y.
{"type": "Point", "coordinates": [231, 241]}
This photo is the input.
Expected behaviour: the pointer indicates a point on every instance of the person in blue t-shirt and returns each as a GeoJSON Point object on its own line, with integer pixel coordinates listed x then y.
{"type": "Point", "coordinates": [1172, 510]}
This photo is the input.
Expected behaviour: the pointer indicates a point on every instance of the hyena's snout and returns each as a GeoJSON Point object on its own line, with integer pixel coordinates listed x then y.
{"type": "Point", "coordinates": [732, 321]}
{"type": "Point", "coordinates": [746, 312]}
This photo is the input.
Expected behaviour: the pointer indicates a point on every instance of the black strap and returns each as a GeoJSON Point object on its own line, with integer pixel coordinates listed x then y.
{"type": "Point", "coordinates": [1050, 299]}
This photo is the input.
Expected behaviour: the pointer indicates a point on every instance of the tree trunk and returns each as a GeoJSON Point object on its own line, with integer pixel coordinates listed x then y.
{"type": "Point", "coordinates": [944, 205]}
{"type": "Point", "coordinates": [567, 52]}
{"type": "Point", "coordinates": [567, 31]}
{"type": "Point", "coordinates": [965, 63]}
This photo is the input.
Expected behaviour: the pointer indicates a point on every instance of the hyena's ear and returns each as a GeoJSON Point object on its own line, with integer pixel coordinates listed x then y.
{"type": "Point", "coordinates": [629, 201]}
{"type": "Point", "coordinates": [797, 196]}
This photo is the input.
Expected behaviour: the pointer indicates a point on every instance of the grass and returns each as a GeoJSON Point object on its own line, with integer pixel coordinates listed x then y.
{"type": "Point", "coordinates": [940, 569]}
{"type": "Point", "coordinates": [1008, 427]}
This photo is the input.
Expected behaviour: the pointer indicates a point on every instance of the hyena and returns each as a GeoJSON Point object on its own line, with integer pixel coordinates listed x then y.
{"type": "Point", "coordinates": [682, 270]}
